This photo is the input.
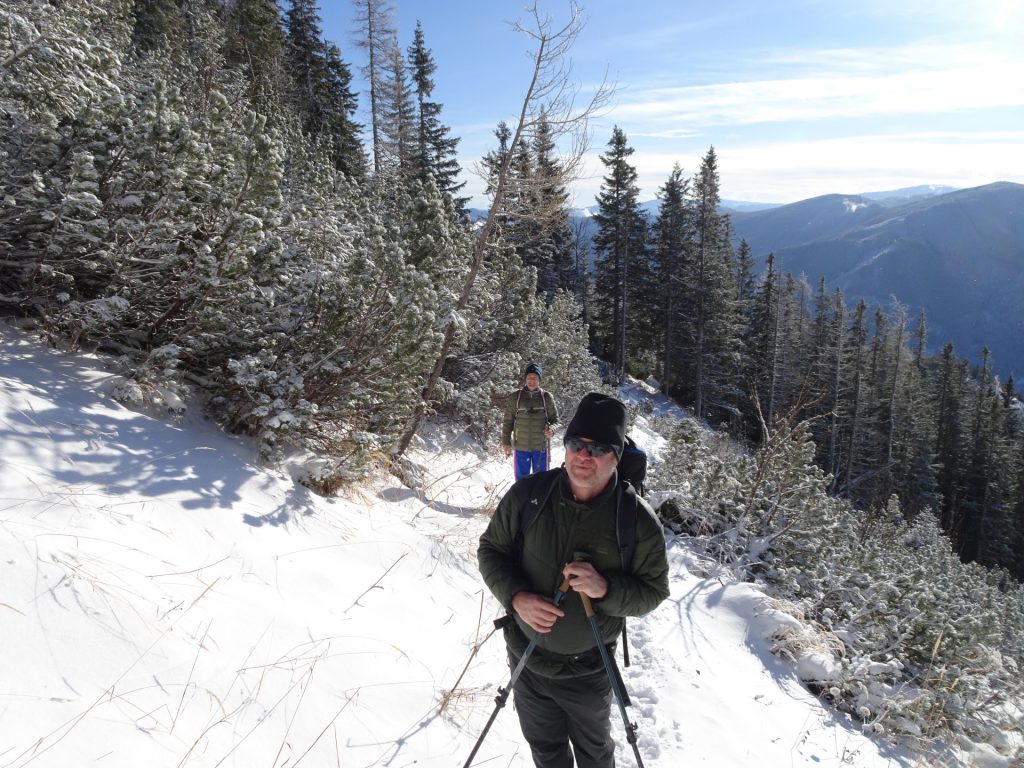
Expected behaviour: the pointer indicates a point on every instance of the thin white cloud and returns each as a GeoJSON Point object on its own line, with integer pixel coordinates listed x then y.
{"type": "Point", "coordinates": [954, 88]}
{"type": "Point", "coordinates": [994, 17]}
{"type": "Point", "coordinates": [753, 120]}
{"type": "Point", "coordinates": [786, 171]}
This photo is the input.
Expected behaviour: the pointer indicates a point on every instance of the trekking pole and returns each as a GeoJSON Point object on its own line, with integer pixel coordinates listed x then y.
{"type": "Point", "coordinates": [503, 693]}
{"type": "Point", "coordinates": [547, 449]}
{"type": "Point", "coordinates": [613, 677]}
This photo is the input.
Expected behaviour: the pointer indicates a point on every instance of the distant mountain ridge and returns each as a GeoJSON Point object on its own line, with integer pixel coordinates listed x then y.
{"type": "Point", "coordinates": [908, 194]}
{"type": "Point", "coordinates": [958, 255]}
{"type": "Point", "coordinates": [888, 197]}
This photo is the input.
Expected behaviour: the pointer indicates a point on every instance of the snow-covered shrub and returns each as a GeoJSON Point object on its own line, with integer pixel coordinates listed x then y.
{"type": "Point", "coordinates": [156, 381]}
{"type": "Point", "coordinates": [561, 346]}
{"type": "Point", "coordinates": [326, 475]}
{"type": "Point", "coordinates": [931, 647]}
{"type": "Point", "coordinates": [362, 332]}
{"type": "Point", "coordinates": [512, 327]}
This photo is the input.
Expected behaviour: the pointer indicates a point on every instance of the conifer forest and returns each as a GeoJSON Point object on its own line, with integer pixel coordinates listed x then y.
{"type": "Point", "coordinates": [185, 186]}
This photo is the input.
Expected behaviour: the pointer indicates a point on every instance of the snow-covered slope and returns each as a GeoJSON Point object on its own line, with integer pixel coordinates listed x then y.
{"type": "Point", "coordinates": [165, 601]}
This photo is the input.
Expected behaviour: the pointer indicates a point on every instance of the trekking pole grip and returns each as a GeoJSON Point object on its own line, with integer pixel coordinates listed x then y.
{"type": "Point", "coordinates": [565, 587]}
{"type": "Point", "coordinates": [588, 607]}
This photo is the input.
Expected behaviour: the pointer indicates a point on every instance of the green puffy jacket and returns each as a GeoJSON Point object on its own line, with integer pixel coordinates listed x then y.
{"type": "Point", "coordinates": [562, 528]}
{"type": "Point", "coordinates": [526, 415]}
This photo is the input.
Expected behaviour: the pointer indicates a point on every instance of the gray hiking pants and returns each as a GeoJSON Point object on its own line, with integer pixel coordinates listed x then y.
{"type": "Point", "coordinates": [556, 711]}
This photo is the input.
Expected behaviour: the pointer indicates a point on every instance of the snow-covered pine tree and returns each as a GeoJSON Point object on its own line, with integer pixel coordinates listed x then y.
{"type": "Point", "coordinates": [344, 372]}
{"type": "Point", "coordinates": [58, 70]}
{"type": "Point", "coordinates": [915, 643]}
{"type": "Point", "coordinates": [56, 60]}
{"type": "Point", "coordinates": [562, 347]}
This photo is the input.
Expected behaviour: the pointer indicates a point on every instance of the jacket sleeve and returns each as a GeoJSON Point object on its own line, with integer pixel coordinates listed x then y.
{"type": "Point", "coordinates": [552, 412]}
{"type": "Point", "coordinates": [497, 554]}
{"type": "Point", "coordinates": [509, 421]}
{"type": "Point", "coordinates": [640, 592]}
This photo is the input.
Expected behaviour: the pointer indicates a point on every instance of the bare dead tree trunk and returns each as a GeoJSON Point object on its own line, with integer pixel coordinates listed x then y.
{"type": "Point", "coordinates": [550, 96]}
{"type": "Point", "coordinates": [377, 35]}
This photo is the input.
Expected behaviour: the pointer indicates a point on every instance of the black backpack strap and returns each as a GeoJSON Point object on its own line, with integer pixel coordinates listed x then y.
{"type": "Point", "coordinates": [541, 496]}
{"type": "Point", "coordinates": [515, 415]}
{"type": "Point", "coordinates": [627, 512]}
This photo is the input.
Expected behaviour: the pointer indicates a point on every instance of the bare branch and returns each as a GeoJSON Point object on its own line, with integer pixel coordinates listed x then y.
{"type": "Point", "coordinates": [551, 96]}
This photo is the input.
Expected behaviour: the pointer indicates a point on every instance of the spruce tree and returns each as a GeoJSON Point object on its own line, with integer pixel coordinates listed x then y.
{"type": "Point", "coordinates": [672, 236]}
{"type": "Point", "coordinates": [522, 227]}
{"type": "Point", "coordinates": [818, 352]}
{"type": "Point", "coordinates": [982, 498]}
{"type": "Point", "coordinates": [746, 286]}
{"type": "Point", "coordinates": [435, 149]}
{"type": "Point", "coordinates": [761, 368]}
{"type": "Point", "coordinates": [949, 437]}
{"type": "Point", "coordinates": [838, 363]}
{"type": "Point", "coordinates": [398, 118]}
{"type": "Point", "coordinates": [494, 164]}
{"type": "Point", "coordinates": [711, 306]}
{"type": "Point", "coordinates": [555, 257]}
{"type": "Point", "coordinates": [322, 87]}
{"type": "Point", "coordinates": [254, 44]}
{"type": "Point", "coordinates": [620, 246]}
{"type": "Point", "coordinates": [852, 402]}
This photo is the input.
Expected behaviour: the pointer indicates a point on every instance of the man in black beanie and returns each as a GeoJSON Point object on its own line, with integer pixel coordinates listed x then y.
{"type": "Point", "coordinates": [564, 696]}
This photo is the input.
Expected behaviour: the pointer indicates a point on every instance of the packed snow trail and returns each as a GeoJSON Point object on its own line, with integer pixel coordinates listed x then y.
{"type": "Point", "coordinates": [167, 601]}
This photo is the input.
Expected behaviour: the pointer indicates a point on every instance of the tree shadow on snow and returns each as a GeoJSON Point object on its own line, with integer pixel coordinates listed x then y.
{"type": "Point", "coordinates": [62, 419]}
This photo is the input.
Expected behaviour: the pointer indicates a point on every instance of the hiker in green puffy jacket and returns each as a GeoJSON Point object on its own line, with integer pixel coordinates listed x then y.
{"type": "Point", "coordinates": [564, 694]}
{"type": "Point", "coordinates": [530, 415]}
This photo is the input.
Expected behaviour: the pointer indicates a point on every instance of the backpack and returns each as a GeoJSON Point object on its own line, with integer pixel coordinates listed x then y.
{"type": "Point", "coordinates": [633, 465]}
{"type": "Point", "coordinates": [627, 510]}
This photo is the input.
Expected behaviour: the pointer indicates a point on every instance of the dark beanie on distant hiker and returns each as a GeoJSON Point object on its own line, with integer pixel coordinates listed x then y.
{"type": "Point", "coordinates": [533, 368]}
{"type": "Point", "coordinates": [600, 418]}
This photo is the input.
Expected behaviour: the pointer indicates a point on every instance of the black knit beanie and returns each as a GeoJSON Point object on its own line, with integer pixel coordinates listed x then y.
{"type": "Point", "coordinates": [533, 368]}
{"type": "Point", "coordinates": [600, 418]}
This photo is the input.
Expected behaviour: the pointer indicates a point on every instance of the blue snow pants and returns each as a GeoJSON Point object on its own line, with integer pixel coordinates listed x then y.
{"type": "Point", "coordinates": [530, 462]}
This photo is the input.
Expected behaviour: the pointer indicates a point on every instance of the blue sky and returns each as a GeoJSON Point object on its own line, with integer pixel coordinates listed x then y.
{"type": "Point", "coordinates": [799, 97]}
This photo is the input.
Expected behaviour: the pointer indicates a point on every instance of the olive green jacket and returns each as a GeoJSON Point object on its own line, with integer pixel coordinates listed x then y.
{"type": "Point", "coordinates": [526, 415]}
{"type": "Point", "coordinates": [564, 527]}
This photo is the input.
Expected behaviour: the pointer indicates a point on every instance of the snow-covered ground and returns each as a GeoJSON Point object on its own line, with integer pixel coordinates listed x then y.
{"type": "Point", "coordinates": [165, 601]}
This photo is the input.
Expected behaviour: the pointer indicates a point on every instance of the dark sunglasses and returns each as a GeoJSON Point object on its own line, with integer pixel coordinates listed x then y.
{"type": "Point", "coordinates": [594, 450]}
